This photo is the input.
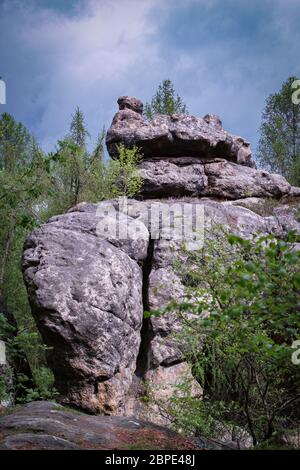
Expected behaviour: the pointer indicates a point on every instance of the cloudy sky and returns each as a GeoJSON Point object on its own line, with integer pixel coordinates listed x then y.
{"type": "Point", "coordinates": [223, 56]}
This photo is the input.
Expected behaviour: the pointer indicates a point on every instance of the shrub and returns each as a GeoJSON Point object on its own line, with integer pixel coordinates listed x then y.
{"type": "Point", "coordinates": [240, 319]}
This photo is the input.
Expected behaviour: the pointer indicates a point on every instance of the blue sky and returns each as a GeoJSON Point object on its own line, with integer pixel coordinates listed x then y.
{"type": "Point", "coordinates": [224, 57]}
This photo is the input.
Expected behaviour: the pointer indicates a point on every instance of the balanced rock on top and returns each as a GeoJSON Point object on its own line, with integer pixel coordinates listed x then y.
{"type": "Point", "coordinates": [189, 156]}
{"type": "Point", "coordinates": [177, 135]}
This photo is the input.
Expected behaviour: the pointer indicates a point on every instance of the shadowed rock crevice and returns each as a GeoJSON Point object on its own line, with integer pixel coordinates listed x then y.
{"type": "Point", "coordinates": [143, 359]}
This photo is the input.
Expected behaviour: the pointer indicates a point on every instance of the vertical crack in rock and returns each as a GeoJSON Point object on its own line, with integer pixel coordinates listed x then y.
{"type": "Point", "coordinates": [143, 359]}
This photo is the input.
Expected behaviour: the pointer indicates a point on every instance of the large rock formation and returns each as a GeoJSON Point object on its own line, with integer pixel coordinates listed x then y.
{"type": "Point", "coordinates": [190, 156]}
{"type": "Point", "coordinates": [217, 178]}
{"type": "Point", "coordinates": [177, 135]}
{"type": "Point", "coordinates": [90, 273]}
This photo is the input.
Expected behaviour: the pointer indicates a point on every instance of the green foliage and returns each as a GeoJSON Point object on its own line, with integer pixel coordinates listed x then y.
{"type": "Point", "coordinates": [43, 389]}
{"type": "Point", "coordinates": [26, 342]}
{"type": "Point", "coordinates": [5, 380]}
{"type": "Point", "coordinates": [165, 101]}
{"type": "Point", "coordinates": [97, 154]}
{"type": "Point", "coordinates": [68, 173]}
{"type": "Point", "coordinates": [279, 144]}
{"type": "Point", "coordinates": [16, 143]}
{"type": "Point", "coordinates": [77, 175]}
{"type": "Point", "coordinates": [24, 181]}
{"type": "Point", "coordinates": [125, 178]}
{"type": "Point", "coordinates": [78, 130]}
{"type": "Point", "coordinates": [240, 318]}
{"type": "Point", "coordinates": [71, 166]}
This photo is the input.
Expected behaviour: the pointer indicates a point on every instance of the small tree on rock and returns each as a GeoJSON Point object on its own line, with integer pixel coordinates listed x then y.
{"type": "Point", "coordinates": [279, 143]}
{"type": "Point", "coordinates": [165, 101]}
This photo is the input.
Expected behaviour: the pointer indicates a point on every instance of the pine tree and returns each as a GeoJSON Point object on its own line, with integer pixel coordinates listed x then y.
{"type": "Point", "coordinates": [71, 162]}
{"type": "Point", "coordinates": [279, 143]}
{"type": "Point", "coordinates": [78, 130]}
{"type": "Point", "coordinates": [97, 154]}
{"type": "Point", "coordinates": [165, 101]}
{"type": "Point", "coordinates": [15, 143]}
{"type": "Point", "coordinates": [24, 183]}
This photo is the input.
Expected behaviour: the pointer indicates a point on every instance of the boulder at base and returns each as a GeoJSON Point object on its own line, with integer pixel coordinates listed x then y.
{"type": "Point", "coordinates": [48, 426]}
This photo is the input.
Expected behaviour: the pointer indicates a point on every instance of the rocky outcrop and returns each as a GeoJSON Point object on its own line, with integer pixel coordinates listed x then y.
{"type": "Point", "coordinates": [48, 426]}
{"type": "Point", "coordinates": [190, 156]}
{"type": "Point", "coordinates": [217, 178]}
{"type": "Point", "coordinates": [92, 272]}
{"type": "Point", "coordinates": [174, 136]}
{"type": "Point", "coordinates": [88, 291]}
{"type": "Point", "coordinates": [126, 102]}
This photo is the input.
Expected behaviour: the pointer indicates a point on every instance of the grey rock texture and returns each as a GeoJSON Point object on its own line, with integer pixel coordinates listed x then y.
{"type": "Point", "coordinates": [174, 136]}
{"type": "Point", "coordinates": [165, 282]}
{"type": "Point", "coordinates": [231, 181]}
{"type": "Point", "coordinates": [295, 192]}
{"type": "Point", "coordinates": [163, 178]}
{"type": "Point", "coordinates": [127, 102]}
{"type": "Point", "coordinates": [49, 426]}
{"type": "Point", "coordinates": [219, 178]}
{"type": "Point", "coordinates": [88, 293]}
{"type": "Point", "coordinates": [190, 156]}
{"type": "Point", "coordinates": [86, 297]}
{"type": "Point", "coordinates": [92, 272]}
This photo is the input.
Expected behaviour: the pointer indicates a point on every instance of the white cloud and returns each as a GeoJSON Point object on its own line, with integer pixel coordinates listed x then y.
{"type": "Point", "coordinates": [81, 60]}
{"type": "Point", "coordinates": [112, 47]}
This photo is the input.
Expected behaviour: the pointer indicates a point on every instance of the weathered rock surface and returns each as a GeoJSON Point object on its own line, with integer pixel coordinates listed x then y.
{"type": "Point", "coordinates": [88, 294]}
{"type": "Point", "coordinates": [167, 380]}
{"type": "Point", "coordinates": [86, 297]}
{"type": "Point", "coordinates": [220, 178]}
{"type": "Point", "coordinates": [189, 156]}
{"type": "Point", "coordinates": [230, 181]}
{"type": "Point", "coordinates": [92, 272]}
{"type": "Point", "coordinates": [174, 136]}
{"type": "Point", "coordinates": [164, 178]}
{"type": "Point", "coordinates": [126, 102]}
{"type": "Point", "coordinates": [48, 426]}
{"type": "Point", "coordinates": [165, 282]}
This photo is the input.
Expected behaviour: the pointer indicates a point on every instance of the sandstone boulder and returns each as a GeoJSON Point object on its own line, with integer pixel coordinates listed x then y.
{"type": "Point", "coordinates": [86, 297]}
{"type": "Point", "coordinates": [218, 178]}
{"type": "Point", "coordinates": [164, 178]}
{"type": "Point", "coordinates": [228, 180]}
{"type": "Point", "coordinates": [92, 272]}
{"type": "Point", "coordinates": [127, 102]}
{"type": "Point", "coordinates": [174, 136]}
